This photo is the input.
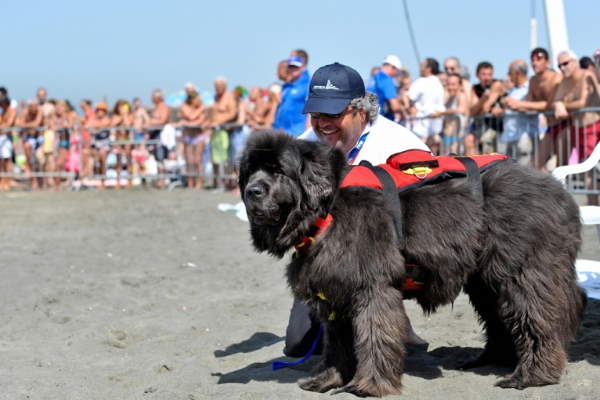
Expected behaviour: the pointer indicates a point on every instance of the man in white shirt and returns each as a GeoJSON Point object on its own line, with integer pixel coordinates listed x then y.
{"type": "Point", "coordinates": [427, 96]}
{"type": "Point", "coordinates": [345, 115]}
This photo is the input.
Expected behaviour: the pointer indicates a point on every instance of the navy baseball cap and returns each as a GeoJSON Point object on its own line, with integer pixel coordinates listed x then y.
{"type": "Point", "coordinates": [332, 87]}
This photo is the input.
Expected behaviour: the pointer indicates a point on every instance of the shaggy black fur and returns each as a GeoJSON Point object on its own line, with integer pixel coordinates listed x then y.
{"type": "Point", "coordinates": [513, 255]}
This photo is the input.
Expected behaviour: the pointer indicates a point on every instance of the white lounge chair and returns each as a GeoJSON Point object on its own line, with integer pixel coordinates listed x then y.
{"type": "Point", "coordinates": [588, 271]}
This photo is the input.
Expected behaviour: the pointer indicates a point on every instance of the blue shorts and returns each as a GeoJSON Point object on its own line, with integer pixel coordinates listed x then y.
{"type": "Point", "coordinates": [138, 137]}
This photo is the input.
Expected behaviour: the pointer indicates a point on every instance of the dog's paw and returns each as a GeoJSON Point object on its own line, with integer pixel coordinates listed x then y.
{"type": "Point", "coordinates": [323, 382]}
{"type": "Point", "coordinates": [511, 383]}
{"type": "Point", "coordinates": [362, 390]}
{"type": "Point", "coordinates": [353, 389]}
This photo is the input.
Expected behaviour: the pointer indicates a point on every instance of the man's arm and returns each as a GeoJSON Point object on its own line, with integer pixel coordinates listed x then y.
{"type": "Point", "coordinates": [476, 103]}
{"type": "Point", "coordinates": [9, 117]}
{"type": "Point", "coordinates": [495, 92]}
{"type": "Point", "coordinates": [36, 122]}
{"type": "Point", "coordinates": [533, 101]}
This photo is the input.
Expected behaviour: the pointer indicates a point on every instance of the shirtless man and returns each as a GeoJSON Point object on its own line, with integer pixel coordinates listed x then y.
{"type": "Point", "coordinates": [542, 87]}
{"type": "Point", "coordinates": [31, 121]}
{"type": "Point", "coordinates": [224, 111]}
{"type": "Point", "coordinates": [578, 89]}
{"type": "Point", "coordinates": [484, 99]}
{"type": "Point", "coordinates": [158, 118]}
{"type": "Point", "coordinates": [258, 110]}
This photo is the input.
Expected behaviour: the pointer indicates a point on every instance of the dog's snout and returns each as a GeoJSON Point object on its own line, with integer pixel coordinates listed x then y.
{"type": "Point", "coordinates": [255, 192]}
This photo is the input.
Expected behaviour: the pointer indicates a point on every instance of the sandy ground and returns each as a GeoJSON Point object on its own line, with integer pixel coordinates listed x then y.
{"type": "Point", "coordinates": [157, 295]}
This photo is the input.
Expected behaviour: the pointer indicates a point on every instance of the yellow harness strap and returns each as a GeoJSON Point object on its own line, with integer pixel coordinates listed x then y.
{"type": "Point", "coordinates": [321, 295]}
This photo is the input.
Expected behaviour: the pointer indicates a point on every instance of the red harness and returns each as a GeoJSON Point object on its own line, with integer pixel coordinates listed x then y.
{"type": "Point", "coordinates": [414, 168]}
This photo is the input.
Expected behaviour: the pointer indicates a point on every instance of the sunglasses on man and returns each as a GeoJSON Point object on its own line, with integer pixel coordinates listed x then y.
{"type": "Point", "coordinates": [563, 64]}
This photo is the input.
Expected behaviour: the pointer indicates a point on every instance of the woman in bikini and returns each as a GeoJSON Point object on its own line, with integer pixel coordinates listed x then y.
{"type": "Point", "coordinates": [122, 121]}
{"type": "Point", "coordinates": [193, 116]}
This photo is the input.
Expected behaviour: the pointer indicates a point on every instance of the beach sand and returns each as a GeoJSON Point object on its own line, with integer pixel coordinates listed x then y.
{"type": "Point", "coordinates": [158, 295]}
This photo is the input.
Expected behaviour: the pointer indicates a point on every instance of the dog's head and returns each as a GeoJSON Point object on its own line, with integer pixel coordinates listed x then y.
{"type": "Point", "coordinates": [286, 184]}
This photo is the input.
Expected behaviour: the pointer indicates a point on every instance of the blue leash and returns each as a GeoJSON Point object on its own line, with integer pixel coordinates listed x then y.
{"type": "Point", "coordinates": [282, 364]}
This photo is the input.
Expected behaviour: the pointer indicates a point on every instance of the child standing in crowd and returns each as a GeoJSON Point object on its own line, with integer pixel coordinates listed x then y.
{"type": "Point", "coordinates": [64, 122]}
{"type": "Point", "coordinates": [99, 128]}
{"type": "Point", "coordinates": [141, 119]}
{"type": "Point", "coordinates": [46, 152]}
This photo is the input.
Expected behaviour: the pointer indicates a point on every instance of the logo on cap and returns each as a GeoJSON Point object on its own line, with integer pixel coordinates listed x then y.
{"type": "Point", "coordinates": [328, 86]}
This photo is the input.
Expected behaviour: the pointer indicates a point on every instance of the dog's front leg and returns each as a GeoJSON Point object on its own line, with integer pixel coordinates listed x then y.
{"type": "Point", "coordinates": [337, 364]}
{"type": "Point", "coordinates": [379, 342]}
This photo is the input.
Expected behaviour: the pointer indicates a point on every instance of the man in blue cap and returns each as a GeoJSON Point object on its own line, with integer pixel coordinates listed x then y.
{"type": "Point", "coordinates": [345, 115]}
{"type": "Point", "coordinates": [289, 116]}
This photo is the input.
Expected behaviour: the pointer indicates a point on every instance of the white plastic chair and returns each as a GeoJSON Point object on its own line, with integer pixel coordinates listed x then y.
{"type": "Point", "coordinates": [590, 215]}
{"type": "Point", "coordinates": [588, 271]}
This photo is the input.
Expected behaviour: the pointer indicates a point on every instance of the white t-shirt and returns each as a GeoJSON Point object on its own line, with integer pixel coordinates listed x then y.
{"type": "Point", "coordinates": [384, 139]}
{"type": "Point", "coordinates": [427, 93]}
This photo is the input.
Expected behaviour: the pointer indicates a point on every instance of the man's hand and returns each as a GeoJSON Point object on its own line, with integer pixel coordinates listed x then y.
{"type": "Point", "coordinates": [496, 111]}
{"type": "Point", "coordinates": [511, 102]}
{"type": "Point", "coordinates": [560, 111]}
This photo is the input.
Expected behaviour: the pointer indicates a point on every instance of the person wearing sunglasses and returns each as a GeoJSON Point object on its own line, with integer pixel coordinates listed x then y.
{"type": "Point", "coordinates": [578, 89]}
{"type": "Point", "coordinates": [345, 115]}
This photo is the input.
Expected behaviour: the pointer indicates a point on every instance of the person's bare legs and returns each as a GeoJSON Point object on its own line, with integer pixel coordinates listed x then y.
{"type": "Point", "coordinates": [198, 163]}
{"type": "Point", "coordinates": [129, 153]}
{"type": "Point", "coordinates": [102, 153]}
{"type": "Point", "coordinates": [4, 182]}
{"type": "Point", "coordinates": [50, 168]}
{"type": "Point", "coordinates": [188, 155]}
{"type": "Point", "coordinates": [471, 144]}
{"type": "Point", "coordinates": [60, 164]}
{"type": "Point", "coordinates": [118, 167]}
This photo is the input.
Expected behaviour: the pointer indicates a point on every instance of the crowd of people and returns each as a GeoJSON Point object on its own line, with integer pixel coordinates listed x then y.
{"type": "Point", "coordinates": [544, 120]}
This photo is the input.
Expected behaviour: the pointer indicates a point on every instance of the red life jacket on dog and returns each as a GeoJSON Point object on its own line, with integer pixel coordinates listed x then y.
{"type": "Point", "coordinates": [414, 168]}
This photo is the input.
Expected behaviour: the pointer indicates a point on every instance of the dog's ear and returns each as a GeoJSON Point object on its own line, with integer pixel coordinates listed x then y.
{"type": "Point", "coordinates": [318, 174]}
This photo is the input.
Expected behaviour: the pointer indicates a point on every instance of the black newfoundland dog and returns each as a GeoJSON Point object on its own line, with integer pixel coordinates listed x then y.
{"type": "Point", "coordinates": [513, 253]}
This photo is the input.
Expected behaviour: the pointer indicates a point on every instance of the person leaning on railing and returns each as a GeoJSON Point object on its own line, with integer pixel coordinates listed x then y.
{"type": "Point", "coordinates": [30, 119]}
{"type": "Point", "coordinates": [542, 87]}
{"type": "Point", "coordinates": [456, 103]}
{"type": "Point", "coordinates": [485, 98]}
{"type": "Point", "coordinates": [7, 120]}
{"type": "Point", "coordinates": [578, 90]}
{"type": "Point", "coordinates": [122, 121]}
{"type": "Point", "coordinates": [193, 117]}
{"type": "Point", "coordinates": [518, 129]}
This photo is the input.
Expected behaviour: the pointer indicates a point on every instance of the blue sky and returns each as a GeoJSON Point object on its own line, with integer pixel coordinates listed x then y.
{"type": "Point", "coordinates": [85, 49]}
